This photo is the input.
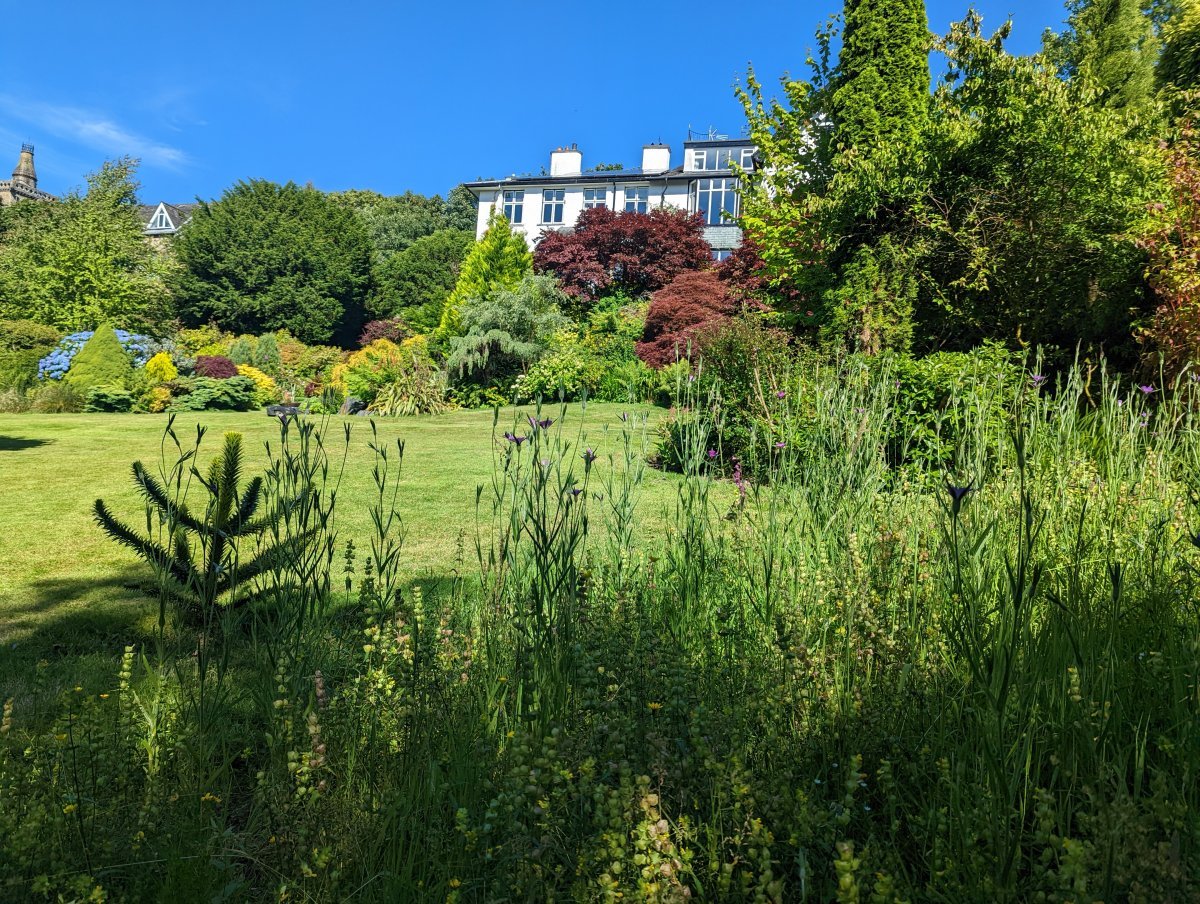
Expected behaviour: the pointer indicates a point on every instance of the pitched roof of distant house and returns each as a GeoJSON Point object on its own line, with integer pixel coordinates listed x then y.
{"type": "Point", "coordinates": [176, 216]}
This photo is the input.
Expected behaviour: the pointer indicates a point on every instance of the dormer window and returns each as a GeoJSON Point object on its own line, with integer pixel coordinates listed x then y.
{"type": "Point", "coordinates": [161, 220]}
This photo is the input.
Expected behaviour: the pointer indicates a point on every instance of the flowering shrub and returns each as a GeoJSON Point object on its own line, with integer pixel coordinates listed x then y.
{"type": "Point", "coordinates": [217, 367]}
{"type": "Point", "coordinates": [56, 364]}
{"type": "Point", "coordinates": [265, 389]}
{"type": "Point", "coordinates": [160, 368]}
{"type": "Point", "coordinates": [234, 393]}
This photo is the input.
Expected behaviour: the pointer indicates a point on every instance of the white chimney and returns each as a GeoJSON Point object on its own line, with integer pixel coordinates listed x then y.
{"type": "Point", "coordinates": [656, 158]}
{"type": "Point", "coordinates": [566, 161]}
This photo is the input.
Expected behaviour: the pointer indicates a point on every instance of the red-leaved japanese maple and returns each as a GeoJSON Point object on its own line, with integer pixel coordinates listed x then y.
{"type": "Point", "coordinates": [632, 253]}
{"type": "Point", "coordinates": [693, 300]}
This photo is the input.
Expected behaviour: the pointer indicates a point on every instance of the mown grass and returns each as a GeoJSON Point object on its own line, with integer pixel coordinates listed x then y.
{"type": "Point", "coordinates": [69, 595]}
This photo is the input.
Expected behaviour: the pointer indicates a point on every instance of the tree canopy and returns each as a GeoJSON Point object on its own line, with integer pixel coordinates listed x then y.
{"type": "Point", "coordinates": [415, 283]}
{"type": "Point", "coordinates": [76, 264]}
{"type": "Point", "coordinates": [268, 257]}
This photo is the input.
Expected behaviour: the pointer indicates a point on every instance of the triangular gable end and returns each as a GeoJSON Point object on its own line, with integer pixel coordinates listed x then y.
{"type": "Point", "coordinates": [161, 219]}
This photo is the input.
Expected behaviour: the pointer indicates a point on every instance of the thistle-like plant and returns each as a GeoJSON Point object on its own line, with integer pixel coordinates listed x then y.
{"type": "Point", "coordinates": [203, 562]}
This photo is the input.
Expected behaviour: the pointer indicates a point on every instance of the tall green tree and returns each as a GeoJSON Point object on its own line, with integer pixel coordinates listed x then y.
{"type": "Point", "coordinates": [268, 257]}
{"type": "Point", "coordinates": [832, 206]}
{"type": "Point", "coordinates": [1112, 46]}
{"type": "Point", "coordinates": [1029, 236]}
{"type": "Point", "coordinates": [498, 261]}
{"type": "Point", "coordinates": [1179, 64]}
{"type": "Point", "coordinates": [84, 261]}
{"type": "Point", "coordinates": [882, 96]}
{"type": "Point", "coordinates": [414, 283]}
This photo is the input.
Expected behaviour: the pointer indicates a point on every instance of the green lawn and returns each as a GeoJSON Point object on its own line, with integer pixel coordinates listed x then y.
{"type": "Point", "coordinates": [70, 595]}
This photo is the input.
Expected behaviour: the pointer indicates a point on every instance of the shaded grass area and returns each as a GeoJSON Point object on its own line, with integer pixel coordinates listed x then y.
{"type": "Point", "coordinates": [70, 596]}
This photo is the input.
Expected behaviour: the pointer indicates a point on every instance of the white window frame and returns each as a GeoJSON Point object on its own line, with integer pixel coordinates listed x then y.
{"type": "Point", "coordinates": [553, 202]}
{"type": "Point", "coordinates": [514, 204]}
{"type": "Point", "coordinates": [699, 158]}
{"type": "Point", "coordinates": [637, 198]}
{"type": "Point", "coordinates": [726, 185]}
{"type": "Point", "coordinates": [161, 220]}
{"type": "Point", "coordinates": [720, 254]}
{"type": "Point", "coordinates": [599, 198]}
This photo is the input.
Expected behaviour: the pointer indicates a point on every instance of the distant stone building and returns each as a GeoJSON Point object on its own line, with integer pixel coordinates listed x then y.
{"type": "Point", "coordinates": [23, 184]}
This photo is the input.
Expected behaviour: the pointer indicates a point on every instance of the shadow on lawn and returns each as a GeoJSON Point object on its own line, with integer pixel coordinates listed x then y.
{"type": "Point", "coordinates": [19, 443]}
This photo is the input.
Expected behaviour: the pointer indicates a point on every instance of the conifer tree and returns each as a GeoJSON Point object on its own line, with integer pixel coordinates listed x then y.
{"type": "Point", "coordinates": [882, 95]}
{"type": "Point", "coordinates": [101, 362]}
{"type": "Point", "coordinates": [498, 261]}
{"type": "Point", "coordinates": [1110, 44]}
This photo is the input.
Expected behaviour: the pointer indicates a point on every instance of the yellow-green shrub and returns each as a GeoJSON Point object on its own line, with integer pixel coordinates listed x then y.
{"type": "Point", "coordinates": [379, 364]}
{"type": "Point", "coordinates": [160, 368]}
{"type": "Point", "coordinates": [265, 389]}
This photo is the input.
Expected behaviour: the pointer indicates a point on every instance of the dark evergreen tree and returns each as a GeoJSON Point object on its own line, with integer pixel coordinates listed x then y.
{"type": "Point", "coordinates": [1179, 65]}
{"type": "Point", "coordinates": [271, 257]}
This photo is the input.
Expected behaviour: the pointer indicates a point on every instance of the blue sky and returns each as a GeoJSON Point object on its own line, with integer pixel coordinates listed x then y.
{"type": "Point", "coordinates": [387, 97]}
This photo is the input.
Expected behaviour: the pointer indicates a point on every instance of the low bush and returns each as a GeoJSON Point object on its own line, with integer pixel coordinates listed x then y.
{"type": "Point", "coordinates": [57, 362]}
{"type": "Point", "coordinates": [160, 368]}
{"type": "Point", "coordinates": [55, 397]}
{"type": "Point", "coordinates": [235, 393]}
{"type": "Point", "coordinates": [216, 367]}
{"type": "Point", "coordinates": [266, 390]}
{"type": "Point", "coordinates": [108, 398]}
{"type": "Point", "coordinates": [393, 329]}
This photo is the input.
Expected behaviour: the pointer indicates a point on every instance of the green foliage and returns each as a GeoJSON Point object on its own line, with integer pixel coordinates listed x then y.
{"type": "Point", "coordinates": [881, 96]}
{"type": "Point", "coordinates": [414, 284]}
{"type": "Point", "coordinates": [394, 223]}
{"type": "Point", "coordinates": [271, 257]}
{"type": "Point", "coordinates": [497, 262]}
{"type": "Point", "coordinates": [506, 330]}
{"type": "Point", "coordinates": [1179, 64]}
{"type": "Point", "coordinates": [213, 394]}
{"type": "Point", "coordinates": [22, 344]}
{"type": "Point", "coordinates": [1000, 224]}
{"type": "Point", "coordinates": [109, 398]}
{"type": "Point", "coordinates": [83, 261]}
{"type": "Point", "coordinates": [241, 350]}
{"type": "Point", "coordinates": [101, 362]}
{"type": "Point", "coordinates": [210, 560]}
{"type": "Point", "coordinates": [1031, 233]}
{"type": "Point", "coordinates": [420, 389]}
{"type": "Point", "coordinates": [1111, 46]}
{"type": "Point", "coordinates": [267, 356]}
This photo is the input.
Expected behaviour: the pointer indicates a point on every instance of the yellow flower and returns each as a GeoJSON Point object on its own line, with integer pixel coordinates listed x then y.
{"type": "Point", "coordinates": [654, 707]}
{"type": "Point", "coordinates": [70, 808]}
{"type": "Point", "coordinates": [455, 883]}
{"type": "Point", "coordinates": [104, 696]}
{"type": "Point", "coordinates": [210, 798]}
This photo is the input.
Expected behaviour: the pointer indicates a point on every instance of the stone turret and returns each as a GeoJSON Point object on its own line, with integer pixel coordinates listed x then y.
{"type": "Point", "coordinates": [25, 175]}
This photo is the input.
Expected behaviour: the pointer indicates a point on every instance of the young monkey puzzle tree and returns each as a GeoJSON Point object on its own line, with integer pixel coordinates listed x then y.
{"type": "Point", "coordinates": [201, 561]}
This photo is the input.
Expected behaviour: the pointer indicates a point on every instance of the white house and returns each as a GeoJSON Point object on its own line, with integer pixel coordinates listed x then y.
{"type": "Point", "coordinates": [703, 183]}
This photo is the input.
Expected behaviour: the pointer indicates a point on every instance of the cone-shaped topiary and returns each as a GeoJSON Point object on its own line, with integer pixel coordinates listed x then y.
{"type": "Point", "coordinates": [201, 563]}
{"type": "Point", "coordinates": [101, 362]}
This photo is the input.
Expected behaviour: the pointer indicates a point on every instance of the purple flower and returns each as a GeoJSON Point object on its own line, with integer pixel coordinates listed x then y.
{"type": "Point", "coordinates": [781, 394]}
{"type": "Point", "coordinates": [624, 416]}
{"type": "Point", "coordinates": [574, 491]}
{"type": "Point", "coordinates": [1147, 390]}
{"type": "Point", "coordinates": [513, 438]}
{"type": "Point", "coordinates": [779, 444]}
{"type": "Point", "coordinates": [957, 494]}
{"type": "Point", "coordinates": [712, 453]}
{"type": "Point", "coordinates": [1037, 379]}
{"type": "Point", "coordinates": [1120, 402]}
{"type": "Point", "coordinates": [588, 456]}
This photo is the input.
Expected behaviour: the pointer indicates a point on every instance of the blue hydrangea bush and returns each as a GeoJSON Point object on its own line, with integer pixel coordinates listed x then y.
{"type": "Point", "coordinates": [56, 364]}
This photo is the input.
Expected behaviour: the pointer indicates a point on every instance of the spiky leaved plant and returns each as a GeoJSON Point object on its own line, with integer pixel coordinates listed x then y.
{"type": "Point", "coordinates": [201, 562]}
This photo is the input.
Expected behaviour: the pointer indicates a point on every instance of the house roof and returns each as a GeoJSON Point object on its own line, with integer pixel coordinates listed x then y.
{"type": "Point", "coordinates": [179, 214]}
{"type": "Point", "coordinates": [621, 175]}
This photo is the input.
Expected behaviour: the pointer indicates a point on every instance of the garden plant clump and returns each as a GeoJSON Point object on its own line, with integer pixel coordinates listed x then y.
{"type": "Point", "coordinates": [969, 673]}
